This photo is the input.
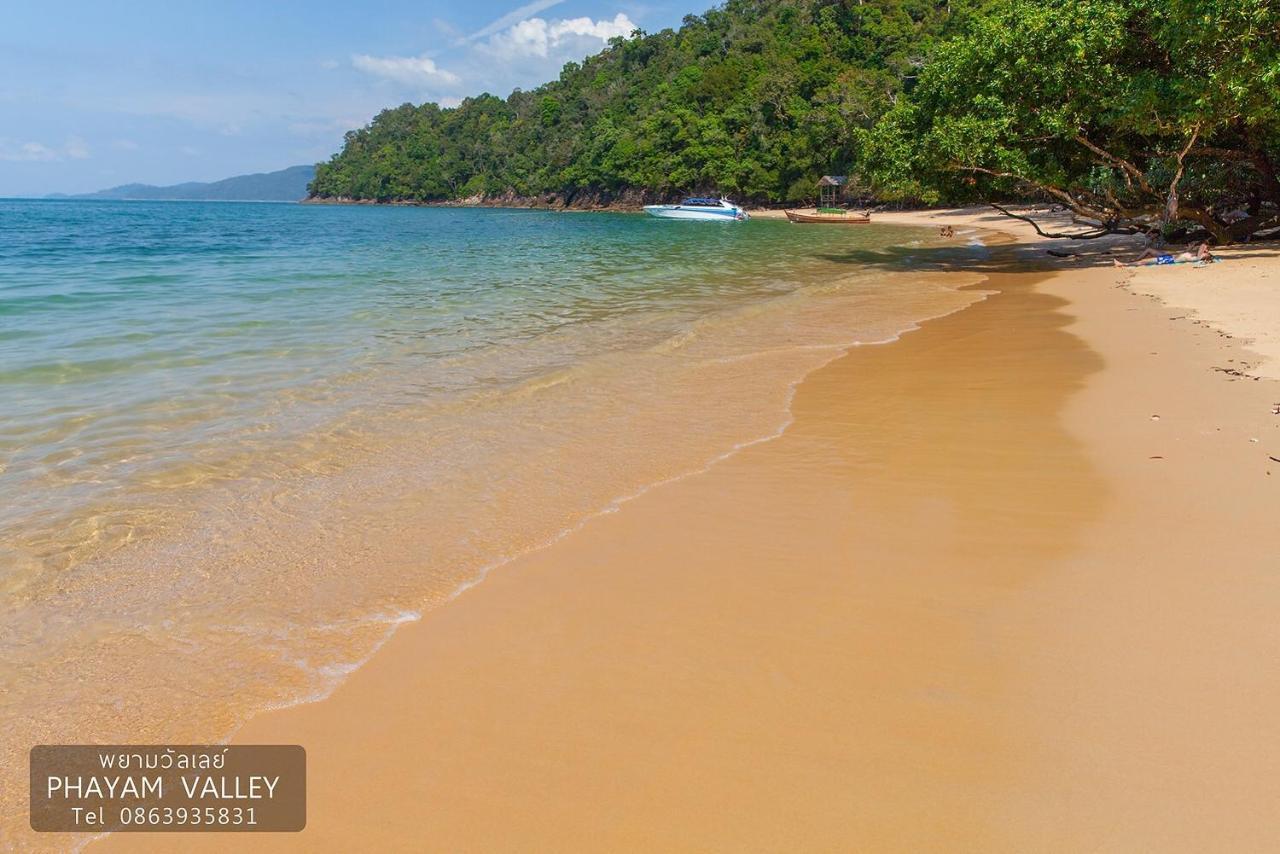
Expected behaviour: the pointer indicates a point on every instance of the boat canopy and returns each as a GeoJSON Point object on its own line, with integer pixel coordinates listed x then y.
{"type": "Point", "coordinates": [711, 203]}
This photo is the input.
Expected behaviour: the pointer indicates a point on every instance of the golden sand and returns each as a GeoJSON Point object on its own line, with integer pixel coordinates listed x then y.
{"type": "Point", "coordinates": [1008, 584]}
{"type": "Point", "coordinates": [1239, 297]}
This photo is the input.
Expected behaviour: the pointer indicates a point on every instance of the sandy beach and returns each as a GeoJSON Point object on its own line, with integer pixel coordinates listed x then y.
{"type": "Point", "coordinates": [1008, 584]}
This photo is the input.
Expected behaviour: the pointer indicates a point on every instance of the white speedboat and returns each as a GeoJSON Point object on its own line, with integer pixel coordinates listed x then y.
{"type": "Point", "coordinates": [705, 209]}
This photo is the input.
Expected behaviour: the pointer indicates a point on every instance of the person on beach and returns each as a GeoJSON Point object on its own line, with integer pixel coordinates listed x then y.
{"type": "Point", "coordinates": [1151, 257]}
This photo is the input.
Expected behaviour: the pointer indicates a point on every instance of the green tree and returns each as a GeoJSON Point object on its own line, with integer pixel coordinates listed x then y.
{"type": "Point", "coordinates": [1137, 115]}
{"type": "Point", "coordinates": [758, 98]}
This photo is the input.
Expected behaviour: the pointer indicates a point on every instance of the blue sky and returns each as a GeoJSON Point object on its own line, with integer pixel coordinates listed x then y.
{"type": "Point", "coordinates": [95, 94]}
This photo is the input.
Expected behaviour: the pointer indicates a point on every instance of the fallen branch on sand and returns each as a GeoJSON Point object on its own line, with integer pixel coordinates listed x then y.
{"type": "Point", "coordinates": [1094, 233]}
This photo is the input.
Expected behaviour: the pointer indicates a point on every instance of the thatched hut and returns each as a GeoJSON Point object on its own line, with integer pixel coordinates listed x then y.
{"type": "Point", "coordinates": [831, 191]}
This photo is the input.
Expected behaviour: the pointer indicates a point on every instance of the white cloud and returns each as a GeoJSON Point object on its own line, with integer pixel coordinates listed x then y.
{"type": "Point", "coordinates": [416, 70]}
{"type": "Point", "coordinates": [28, 151]}
{"type": "Point", "coordinates": [513, 17]}
{"type": "Point", "coordinates": [38, 152]}
{"type": "Point", "coordinates": [542, 38]}
{"type": "Point", "coordinates": [76, 148]}
{"type": "Point", "coordinates": [448, 30]}
{"type": "Point", "coordinates": [216, 111]}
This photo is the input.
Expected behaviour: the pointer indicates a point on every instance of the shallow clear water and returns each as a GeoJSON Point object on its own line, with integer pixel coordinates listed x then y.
{"type": "Point", "coordinates": [263, 435]}
{"type": "Point", "coordinates": [138, 338]}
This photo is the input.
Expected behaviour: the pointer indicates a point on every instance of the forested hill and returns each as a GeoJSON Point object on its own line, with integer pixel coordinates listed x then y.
{"type": "Point", "coordinates": [756, 99]}
{"type": "Point", "coordinates": [286, 185]}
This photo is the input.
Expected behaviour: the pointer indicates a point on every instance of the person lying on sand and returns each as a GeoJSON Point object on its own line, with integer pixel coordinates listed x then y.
{"type": "Point", "coordinates": [1151, 257]}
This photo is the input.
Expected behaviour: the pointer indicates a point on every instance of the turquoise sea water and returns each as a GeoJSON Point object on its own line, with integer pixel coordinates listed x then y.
{"type": "Point", "coordinates": [133, 335]}
{"type": "Point", "coordinates": [263, 434]}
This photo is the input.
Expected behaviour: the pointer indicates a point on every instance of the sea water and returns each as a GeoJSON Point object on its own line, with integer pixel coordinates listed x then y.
{"type": "Point", "coordinates": [240, 443]}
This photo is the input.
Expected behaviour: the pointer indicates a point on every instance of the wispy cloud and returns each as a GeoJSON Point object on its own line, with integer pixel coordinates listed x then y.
{"type": "Point", "coordinates": [221, 112]}
{"type": "Point", "coordinates": [326, 126]}
{"type": "Point", "coordinates": [512, 17]}
{"type": "Point", "coordinates": [27, 151]}
{"type": "Point", "coordinates": [38, 152]}
{"type": "Point", "coordinates": [414, 70]}
{"type": "Point", "coordinates": [76, 149]}
{"type": "Point", "coordinates": [541, 38]}
{"type": "Point", "coordinates": [448, 30]}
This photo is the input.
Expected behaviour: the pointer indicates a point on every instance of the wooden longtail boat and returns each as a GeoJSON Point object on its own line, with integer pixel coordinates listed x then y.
{"type": "Point", "coordinates": [840, 217]}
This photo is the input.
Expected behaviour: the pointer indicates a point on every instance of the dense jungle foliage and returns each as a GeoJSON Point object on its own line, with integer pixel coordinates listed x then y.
{"type": "Point", "coordinates": [755, 99]}
{"type": "Point", "coordinates": [1136, 115]}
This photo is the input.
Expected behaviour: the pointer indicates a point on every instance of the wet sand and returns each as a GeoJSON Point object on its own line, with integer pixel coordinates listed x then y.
{"type": "Point", "coordinates": [1007, 584]}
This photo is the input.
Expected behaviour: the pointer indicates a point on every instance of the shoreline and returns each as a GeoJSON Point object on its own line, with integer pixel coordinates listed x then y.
{"type": "Point", "coordinates": [634, 202]}
{"type": "Point", "coordinates": [219, 554]}
{"type": "Point", "coordinates": [364, 709]}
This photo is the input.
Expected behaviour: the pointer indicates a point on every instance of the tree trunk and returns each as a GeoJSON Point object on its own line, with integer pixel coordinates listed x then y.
{"type": "Point", "coordinates": [1171, 206]}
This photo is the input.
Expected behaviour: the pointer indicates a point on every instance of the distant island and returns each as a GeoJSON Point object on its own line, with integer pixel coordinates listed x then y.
{"type": "Point", "coordinates": [286, 185]}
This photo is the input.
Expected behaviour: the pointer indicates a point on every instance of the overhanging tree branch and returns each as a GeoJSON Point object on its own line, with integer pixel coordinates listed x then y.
{"type": "Point", "coordinates": [1102, 231]}
{"type": "Point", "coordinates": [1059, 194]}
{"type": "Point", "coordinates": [1128, 168]}
{"type": "Point", "coordinates": [1220, 153]}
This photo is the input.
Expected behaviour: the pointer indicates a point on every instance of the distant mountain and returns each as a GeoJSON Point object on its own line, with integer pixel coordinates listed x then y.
{"type": "Point", "coordinates": [287, 185]}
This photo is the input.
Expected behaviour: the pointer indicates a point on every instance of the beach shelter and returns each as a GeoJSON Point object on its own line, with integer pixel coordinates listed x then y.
{"type": "Point", "coordinates": [831, 191]}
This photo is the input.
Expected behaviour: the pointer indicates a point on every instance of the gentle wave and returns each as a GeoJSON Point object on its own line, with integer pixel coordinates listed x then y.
{"type": "Point", "coordinates": [370, 412]}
